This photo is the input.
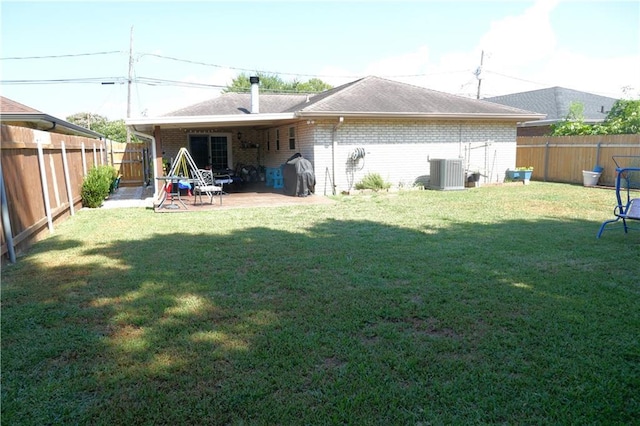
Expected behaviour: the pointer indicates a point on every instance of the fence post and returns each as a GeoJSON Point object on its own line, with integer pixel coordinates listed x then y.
{"type": "Point", "coordinates": [84, 160]}
{"type": "Point", "coordinates": [598, 153]}
{"type": "Point", "coordinates": [110, 151]}
{"type": "Point", "coordinates": [45, 185]}
{"type": "Point", "coordinates": [67, 180]}
{"type": "Point", "coordinates": [546, 160]}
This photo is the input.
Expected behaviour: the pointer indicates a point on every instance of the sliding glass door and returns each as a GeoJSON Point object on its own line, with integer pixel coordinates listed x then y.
{"type": "Point", "coordinates": [212, 150]}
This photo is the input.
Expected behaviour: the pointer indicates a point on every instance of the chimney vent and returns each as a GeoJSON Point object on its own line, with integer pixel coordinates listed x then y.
{"type": "Point", "coordinates": [255, 94]}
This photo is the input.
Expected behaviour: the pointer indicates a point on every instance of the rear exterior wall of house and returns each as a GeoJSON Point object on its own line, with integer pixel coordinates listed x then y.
{"type": "Point", "coordinates": [400, 150]}
{"type": "Point", "coordinates": [282, 142]}
{"type": "Point", "coordinates": [171, 140]}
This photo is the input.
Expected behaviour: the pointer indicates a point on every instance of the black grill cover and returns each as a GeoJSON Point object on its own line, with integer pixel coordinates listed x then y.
{"type": "Point", "coordinates": [298, 177]}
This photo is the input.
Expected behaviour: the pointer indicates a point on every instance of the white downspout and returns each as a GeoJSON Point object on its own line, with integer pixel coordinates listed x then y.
{"type": "Point", "coordinates": [334, 147]}
{"type": "Point", "coordinates": [153, 155]}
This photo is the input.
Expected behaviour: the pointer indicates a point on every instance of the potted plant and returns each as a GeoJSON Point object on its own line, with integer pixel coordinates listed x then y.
{"type": "Point", "coordinates": [520, 173]}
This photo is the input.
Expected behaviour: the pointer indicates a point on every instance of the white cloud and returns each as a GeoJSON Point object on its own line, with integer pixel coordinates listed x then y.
{"type": "Point", "coordinates": [517, 41]}
{"type": "Point", "coordinates": [521, 53]}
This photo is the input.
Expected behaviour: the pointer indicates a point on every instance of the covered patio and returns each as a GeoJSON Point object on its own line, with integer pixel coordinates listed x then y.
{"type": "Point", "coordinates": [254, 194]}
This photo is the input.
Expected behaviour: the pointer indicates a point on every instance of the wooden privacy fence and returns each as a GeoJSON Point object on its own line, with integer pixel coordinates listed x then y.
{"type": "Point", "coordinates": [42, 176]}
{"type": "Point", "coordinates": [563, 158]}
{"type": "Point", "coordinates": [131, 160]}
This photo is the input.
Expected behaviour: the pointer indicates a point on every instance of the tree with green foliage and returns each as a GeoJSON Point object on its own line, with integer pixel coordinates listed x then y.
{"type": "Point", "coordinates": [624, 118]}
{"type": "Point", "coordinates": [88, 120]}
{"type": "Point", "coordinates": [573, 124]}
{"type": "Point", "coordinates": [274, 83]}
{"type": "Point", "coordinates": [114, 130]}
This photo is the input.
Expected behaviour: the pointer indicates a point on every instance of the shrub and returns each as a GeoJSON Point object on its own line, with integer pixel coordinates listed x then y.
{"type": "Point", "coordinates": [96, 185]}
{"type": "Point", "coordinates": [373, 181]}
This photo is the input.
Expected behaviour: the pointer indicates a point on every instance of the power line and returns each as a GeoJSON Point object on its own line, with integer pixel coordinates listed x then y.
{"type": "Point", "coordinates": [162, 82]}
{"type": "Point", "coordinates": [150, 81]}
{"type": "Point", "coordinates": [189, 61]}
{"type": "Point", "coordinates": [60, 56]}
{"type": "Point", "coordinates": [102, 80]}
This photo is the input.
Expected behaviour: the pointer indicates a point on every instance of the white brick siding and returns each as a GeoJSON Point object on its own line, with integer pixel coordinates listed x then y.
{"type": "Point", "coordinates": [304, 144]}
{"type": "Point", "coordinates": [399, 150]}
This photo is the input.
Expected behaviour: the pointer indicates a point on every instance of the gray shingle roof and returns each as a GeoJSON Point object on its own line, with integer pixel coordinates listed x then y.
{"type": "Point", "coordinates": [8, 106]}
{"type": "Point", "coordinates": [555, 102]}
{"type": "Point", "coordinates": [17, 114]}
{"type": "Point", "coordinates": [378, 95]}
{"type": "Point", "coordinates": [368, 95]}
{"type": "Point", "coordinates": [240, 103]}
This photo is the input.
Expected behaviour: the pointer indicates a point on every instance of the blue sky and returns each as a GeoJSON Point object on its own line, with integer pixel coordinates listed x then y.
{"type": "Point", "coordinates": [584, 45]}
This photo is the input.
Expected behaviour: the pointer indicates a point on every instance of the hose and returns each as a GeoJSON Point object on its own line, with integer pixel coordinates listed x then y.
{"type": "Point", "coordinates": [357, 154]}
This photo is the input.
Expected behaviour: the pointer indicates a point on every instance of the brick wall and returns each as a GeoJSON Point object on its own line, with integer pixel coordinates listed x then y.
{"type": "Point", "coordinates": [400, 150]}
{"type": "Point", "coordinates": [171, 140]}
{"type": "Point", "coordinates": [304, 134]}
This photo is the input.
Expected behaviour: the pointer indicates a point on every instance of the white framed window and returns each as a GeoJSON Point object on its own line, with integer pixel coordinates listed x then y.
{"type": "Point", "coordinates": [292, 138]}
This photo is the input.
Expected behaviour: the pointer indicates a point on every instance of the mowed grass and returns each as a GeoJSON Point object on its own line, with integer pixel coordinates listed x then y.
{"type": "Point", "coordinates": [491, 305]}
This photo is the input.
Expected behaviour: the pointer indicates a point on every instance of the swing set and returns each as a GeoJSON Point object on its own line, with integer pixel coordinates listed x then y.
{"type": "Point", "coordinates": [627, 192]}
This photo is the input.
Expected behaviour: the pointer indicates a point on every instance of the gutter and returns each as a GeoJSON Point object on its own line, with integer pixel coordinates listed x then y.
{"type": "Point", "coordinates": [142, 124]}
{"type": "Point", "coordinates": [443, 116]}
{"type": "Point", "coordinates": [199, 120]}
{"type": "Point", "coordinates": [52, 123]}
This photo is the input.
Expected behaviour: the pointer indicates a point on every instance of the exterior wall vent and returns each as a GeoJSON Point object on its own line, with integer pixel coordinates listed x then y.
{"type": "Point", "coordinates": [446, 174]}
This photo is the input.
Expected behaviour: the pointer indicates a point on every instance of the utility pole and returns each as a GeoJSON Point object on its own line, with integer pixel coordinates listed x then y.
{"type": "Point", "coordinates": [478, 73]}
{"type": "Point", "coordinates": [129, 82]}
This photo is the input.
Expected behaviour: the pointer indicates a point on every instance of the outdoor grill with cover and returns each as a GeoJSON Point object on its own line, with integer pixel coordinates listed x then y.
{"type": "Point", "coordinates": [298, 176]}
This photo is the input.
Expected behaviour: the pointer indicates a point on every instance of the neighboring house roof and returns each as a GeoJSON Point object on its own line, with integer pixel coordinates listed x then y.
{"type": "Point", "coordinates": [17, 114]}
{"type": "Point", "coordinates": [367, 97]}
{"type": "Point", "coordinates": [10, 106]}
{"type": "Point", "coordinates": [555, 102]}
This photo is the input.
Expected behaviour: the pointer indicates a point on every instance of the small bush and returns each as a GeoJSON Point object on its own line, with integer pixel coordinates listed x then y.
{"type": "Point", "coordinates": [373, 181]}
{"type": "Point", "coordinates": [96, 185]}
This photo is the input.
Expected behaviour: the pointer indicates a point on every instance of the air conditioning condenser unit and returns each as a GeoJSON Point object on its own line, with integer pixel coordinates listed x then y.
{"type": "Point", "coordinates": [446, 174]}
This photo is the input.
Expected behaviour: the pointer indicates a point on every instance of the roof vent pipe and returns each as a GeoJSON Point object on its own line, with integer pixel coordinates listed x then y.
{"type": "Point", "coordinates": [255, 101]}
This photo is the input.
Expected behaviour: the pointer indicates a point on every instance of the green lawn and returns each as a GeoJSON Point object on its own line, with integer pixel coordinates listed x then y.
{"type": "Point", "coordinates": [491, 305]}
